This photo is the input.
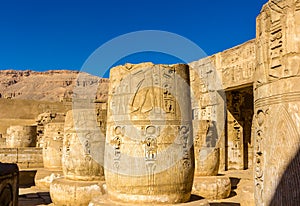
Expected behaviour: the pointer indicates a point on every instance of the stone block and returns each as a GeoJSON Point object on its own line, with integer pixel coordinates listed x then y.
{"type": "Point", "coordinates": [44, 177]}
{"type": "Point", "coordinates": [212, 187]}
{"type": "Point", "coordinates": [65, 192]}
{"type": "Point", "coordinates": [8, 155]}
{"type": "Point", "coordinates": [29, 157]}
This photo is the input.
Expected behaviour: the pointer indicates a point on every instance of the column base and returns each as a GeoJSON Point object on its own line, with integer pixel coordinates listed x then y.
{"type": "Point", "coordinates": [66, 192]}
{"type": "Point", "coordinates": [44, 177]}
{"type": "Point", "coordinates": [212, 187]}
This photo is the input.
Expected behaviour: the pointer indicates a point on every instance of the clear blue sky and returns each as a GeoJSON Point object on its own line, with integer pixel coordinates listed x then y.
{"type": "Point", "coordinates": [60, 34]}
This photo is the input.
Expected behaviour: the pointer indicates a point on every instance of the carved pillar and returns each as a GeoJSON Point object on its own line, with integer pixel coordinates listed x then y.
{"type": "Point", "coordinates": [208, 108]}
{"type": "Point", "coordinates": [80, 160]}
{"type": "Point", "coordinates": [52, 147]}
{"type": "Point", "coordinates": [149, 155]}
{"type": "Point", "coordinates": [277, 103]}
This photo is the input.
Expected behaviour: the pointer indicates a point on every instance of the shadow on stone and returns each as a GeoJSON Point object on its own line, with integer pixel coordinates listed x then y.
{"type": "Point", "coordinates": [232, 194]}
{"type": "Point", "coordinates": [26, 178]}
{"type": "Point", "coordinates": [288, 190]}
{"type": "Point", "coordinates": [195, 198]}
{"type": "Point", "coordinates": [35, 199]}
{"type": "Point", "coordinates": [234, 182]}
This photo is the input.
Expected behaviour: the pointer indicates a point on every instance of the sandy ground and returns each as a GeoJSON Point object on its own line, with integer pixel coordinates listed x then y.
{"type": "Point", "coordinates": [241, 194]}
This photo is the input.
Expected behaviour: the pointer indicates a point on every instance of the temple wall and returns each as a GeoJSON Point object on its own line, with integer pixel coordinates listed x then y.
{"type": "Point", "coordinates": [211, 77]}
{"type": "Point", "coordinates": [277, 103]}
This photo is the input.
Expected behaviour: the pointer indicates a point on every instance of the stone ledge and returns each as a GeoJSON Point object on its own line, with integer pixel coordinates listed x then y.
{"type": "Point", "coordinates": [26, 157]}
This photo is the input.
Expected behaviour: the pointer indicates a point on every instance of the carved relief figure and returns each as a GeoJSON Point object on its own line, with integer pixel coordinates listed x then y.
{"type": "Point", "coordinates": [143, 100]}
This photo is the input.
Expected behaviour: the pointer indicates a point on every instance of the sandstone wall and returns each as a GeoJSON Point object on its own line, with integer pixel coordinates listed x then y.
{"type": "Point", "coordinates": [277, 103]}
{"type": "Point", "coordinates": [210, 78]}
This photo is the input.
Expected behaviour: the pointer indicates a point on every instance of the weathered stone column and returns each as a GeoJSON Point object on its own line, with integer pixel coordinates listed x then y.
{"type": "Point", "coordinates": [277, 103]}
{"type": "Point", "coordinates": [52, 155]}
{"type": "Point", "coordinates": [208, 106]}
{"type": "Point", "coordinates": [21, 136]}
{"type": "Point", "coordinates": [149, 155]}
{"type": "Point", "coordinates": [82, 173]}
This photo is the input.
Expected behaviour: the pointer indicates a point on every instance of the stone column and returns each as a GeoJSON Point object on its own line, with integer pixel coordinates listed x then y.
{"type": "Point", "coordinates": [208, 108]}
{"type": "Point", "coordinates": [21, 136]}
{"type": "Point", "coordinates": [52, 155]}
{"type": "Point", "coordinates": [20, 143]}
{"type": "Point", "coordinates": [80, 160]}
{"type": "Point", "coordinates": [149, 155]}
{"type": "Point", "coordinates": [277, 103]}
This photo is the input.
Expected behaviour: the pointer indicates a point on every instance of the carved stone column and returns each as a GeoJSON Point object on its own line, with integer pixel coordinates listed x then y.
{"type": "Point", "coordinates": [80, 160]}
{"type": "Point", "coordinates": [52, 155]}
{"type": "Point", "coordinates": [277, 103]}
{"type": "Point", "coordinates": [149, 156]}
{"type": "Point", "coordinates": [208, 108]}
{"type": "Point", "coordinates": [21, 136]}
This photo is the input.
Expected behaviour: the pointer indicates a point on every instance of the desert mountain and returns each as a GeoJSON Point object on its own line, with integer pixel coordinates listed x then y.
{"type": "Point", "coordinates": [53, 85]}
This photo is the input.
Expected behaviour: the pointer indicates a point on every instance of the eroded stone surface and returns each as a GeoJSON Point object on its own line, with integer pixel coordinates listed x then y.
{"type": "Point", "coordinates": [21, 136]}
{"type": "Point", "coordinates": [149, 154]}
{"type": "Point", "coordinates": [66, 192]}
{"type": "Point", "coordinates": [81, 146]}
{"type": "Point", "coordinates": [52, 145]}
{"type": "Point", "coordinates": [45, 118]}
{"type": "Point", "coordinates": [26, 158]}
{"type": "Point", "coordinates": [212, 187]}
{"type": "Point", "coordinates": [44, 177]}
{"type": "Point", "coordinates": [277, 103]}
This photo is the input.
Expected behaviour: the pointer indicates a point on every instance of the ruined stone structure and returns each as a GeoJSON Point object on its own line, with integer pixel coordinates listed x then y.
{"type": "Point", "coordinates": [82, 173]}
{"type": "Point", "coordinates": [260, 78]}
{"type": "Point", "coordinates": [21, 136]}
{"type": "Point", "coordinates": [222, 85]}
{"type": "Point", "coordinates": [45, 118]}
{"type": "Point", "coordinates": [208, 108]}
{"type": "Point", "coordinates": [149, 156]}
{"type": "Point", "coordinates": [277, 103]}
{"type": "Point", "coordinates": [52, 155]}
{"type": "Point", "coordinates": [171, 129]}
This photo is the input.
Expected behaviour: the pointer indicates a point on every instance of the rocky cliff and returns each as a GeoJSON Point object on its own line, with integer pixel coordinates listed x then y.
{"type": "Point", "coordinates": [53, 85]}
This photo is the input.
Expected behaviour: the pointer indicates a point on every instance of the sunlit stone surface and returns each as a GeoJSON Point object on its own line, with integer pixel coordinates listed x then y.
{"type": "Point", "coordinates": [149, 155]}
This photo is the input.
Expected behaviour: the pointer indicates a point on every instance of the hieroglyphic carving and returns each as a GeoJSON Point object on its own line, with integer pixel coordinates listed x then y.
{"type": "Point", "coordinates": [158, 104]}
{"type": "Point", "coordinates": [168, 93]}
{"type": "Point", "coordinates": [184, 133]}
{"type": "Point", "coordinates": [259, 122]}
{"type": "Point", "coordinates": [116, 142]}
{"type": "Point", "coordinates": [276, 41]}
{"type": "Point", "coordinates": [150, 149]}
{"type": "Point", "coordinates": [238, 64]}
{"type": "Point", "coordinates": [235, 133]}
